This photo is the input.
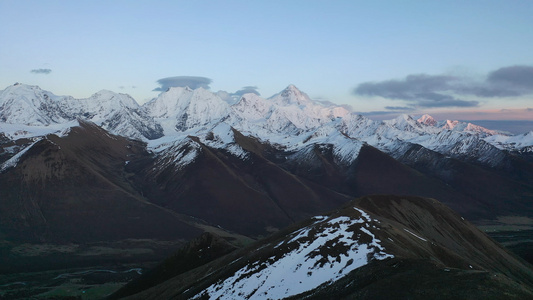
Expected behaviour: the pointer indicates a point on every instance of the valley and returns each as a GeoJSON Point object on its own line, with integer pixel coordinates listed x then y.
{"type": "Point", "coordinates": [86, 283]}
{"type": "Point", "coordinates": [515, 233]}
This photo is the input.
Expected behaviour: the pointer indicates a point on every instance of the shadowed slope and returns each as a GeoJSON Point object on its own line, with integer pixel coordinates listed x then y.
{"type": "Point", "coordinates": [417, 248]}
{"type": "Point", "coordinates": [74, 189]}
{"type": "Point", "coordinates": [250, 196]}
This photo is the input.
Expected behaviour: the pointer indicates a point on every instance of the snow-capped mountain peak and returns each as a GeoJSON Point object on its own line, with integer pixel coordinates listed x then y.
{"type": "Point", "coordinates": [119, 98]}
{"type": "Point", "coordinates": [30, 105]}
{"type": "Point", "coordinates": [521, 142]}
{"type": "Point", "coordinates": [291, 95]}
{"type": "Point", "coordinates": [405, 122]}
{"type": "Point", "coordinates": [468, 127]}
{"type": "Point", "coordinates": [252, 107]}
{"type": "Point", "coordinates": [284, 119]}
{"type": "Point", "coordinates": [450, 125]}
{"type": "Point", "coordinates": [427, 120]}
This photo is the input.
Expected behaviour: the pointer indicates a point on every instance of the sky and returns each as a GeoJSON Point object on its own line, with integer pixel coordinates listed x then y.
{"type": "Point", "coordinates": [467, 60]}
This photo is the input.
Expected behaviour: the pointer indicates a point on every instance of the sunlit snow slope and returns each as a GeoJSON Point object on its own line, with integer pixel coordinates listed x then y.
{"type": "Point", "coordinates": [317, 254]}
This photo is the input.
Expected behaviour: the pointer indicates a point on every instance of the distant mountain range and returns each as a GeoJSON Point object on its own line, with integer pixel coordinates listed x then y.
{"type": "Point", "coordinates": [282, 119]}
{"type": "Point", "coordinates": [105, 169]}
{"type": "Point", "coordinates": [206, 157]}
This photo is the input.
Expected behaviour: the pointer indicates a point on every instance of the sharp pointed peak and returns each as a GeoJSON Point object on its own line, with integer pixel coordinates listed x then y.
{"type": "Point", "coordinates": [291, 95]}
{"type": "Point", "coordinates": [291, 87]}
{"type": "Point", "coordinates": [426, 116]}
{"type": "Point", "coordinates": [427, 120]}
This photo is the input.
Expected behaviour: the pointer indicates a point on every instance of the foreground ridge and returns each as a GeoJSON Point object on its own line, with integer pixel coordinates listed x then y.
{"type": "Point", "coordinates": [318, 254]}
{"type": "Point", "coordinates": [356, 251]}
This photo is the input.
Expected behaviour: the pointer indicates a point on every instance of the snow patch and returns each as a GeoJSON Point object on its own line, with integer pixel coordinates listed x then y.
{"type": "Point", "coordinates": [12, 162]}
{"type": "Point", "coordinates": [325, 251]}
{"type": "Point", "coordinates": [417, 236]}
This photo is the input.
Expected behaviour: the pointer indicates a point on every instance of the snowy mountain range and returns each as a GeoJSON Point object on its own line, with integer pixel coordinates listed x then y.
{"type": "Point", "coordinates": [290, 120]}
{"type": "Point", "coordinates": [106, 170]}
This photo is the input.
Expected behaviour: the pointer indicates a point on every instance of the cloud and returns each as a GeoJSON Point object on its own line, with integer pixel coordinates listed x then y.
{"type": "Point", "coordinates": [246, 90]}
{"type": "Point", "coordinates": [518, 76]}
{"type": "Point", "coordinates": [442, 100]}
{"type": "Point", "coordinates": [193, 82]}
{"type": "Point", "coordinates": [422, 90]}
{"type": "Point", "coordinates": [412, 87]}
{"type": "Point", "coordinates": [379, 114]}
{"type": "Point", "coordinates": [508, 82]}
{"type": "Point", "coordinates": [348, 107]}
{"type": "Point", "coordinates": [41, 71]}
{"type": "Point", "coordinates": [234, 97]}
{"type": "Point", "coordinates": [398, 108]}
{"type": "Point", "coordinates": [418, 90]}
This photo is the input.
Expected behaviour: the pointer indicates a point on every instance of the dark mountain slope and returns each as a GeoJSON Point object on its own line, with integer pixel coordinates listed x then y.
{"type": "Point", "coordinates": [503, 191]}
{"type": "Point", "coordinates": [377, 173]}
{"type": "Point", "coordinates": [376, 247]}
{"type": "Point", "coordinates": [250, 196]}
{"type": "Point", "coordinates": [74, 189]}
{"type": "Point", "coordinates": [374, 172]}
{"type": "Point", "coordinates": [195, 253]}
{"type": "Point", "coordinates": [446, 230]}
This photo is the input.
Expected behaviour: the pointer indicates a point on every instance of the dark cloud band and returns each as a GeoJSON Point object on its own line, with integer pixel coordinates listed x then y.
{"type": "Point", "coordinates": [424, 90]}
{"type": "Point", "coordinates": [395, 108]}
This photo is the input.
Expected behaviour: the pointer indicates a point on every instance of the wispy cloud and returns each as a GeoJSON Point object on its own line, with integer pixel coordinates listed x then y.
{"type": "Point", "coordinates": [325, 102]}
{"type": "Point", "coordinates": [41, 71]}
{"type": "Point", "coordinates": [398, 108]}
{"type": "Point", "coordinates": [389, 113]}
{"type": "Point", "coordinates": [193, 82]}
{"type": "Point", "coordinates": [425, 91]}
{"type": "Point", "coordinates": [379, 114]}
{"type": "Point", "coordinates": [486, 114]}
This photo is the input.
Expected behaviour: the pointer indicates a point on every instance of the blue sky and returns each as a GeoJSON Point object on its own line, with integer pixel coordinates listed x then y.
{"type": "Point", "coordinates": [380, 57]}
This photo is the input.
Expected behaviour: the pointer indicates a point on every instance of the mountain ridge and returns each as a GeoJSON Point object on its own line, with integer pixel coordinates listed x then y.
{"type": "Point", "coordinates": [400, 234]}
{"type": "Point", "coordinates": [190, 125]}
